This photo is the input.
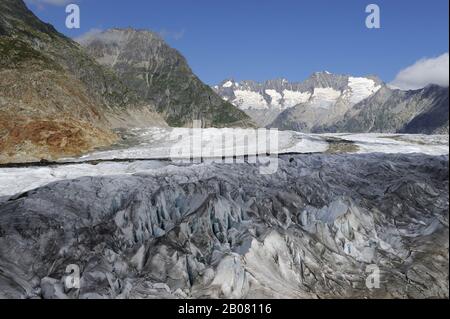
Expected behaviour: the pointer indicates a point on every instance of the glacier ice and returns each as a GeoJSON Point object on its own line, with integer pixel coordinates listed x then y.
{"type": "Point", "coordinates": [224, 231]}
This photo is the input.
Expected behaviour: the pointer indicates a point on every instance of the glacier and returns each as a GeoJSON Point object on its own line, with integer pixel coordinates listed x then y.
{"type": "Point", "coordinates": [151, 148]}
{"type": "Point", "coordinates": [140, 224]}
{"type": "Point", "coordinates": [312, 230]}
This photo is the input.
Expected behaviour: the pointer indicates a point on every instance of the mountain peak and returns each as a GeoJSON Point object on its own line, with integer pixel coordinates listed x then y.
{"type": "Point", "coordinates": [228, 83]}
{"type": "Point", "coordinates": [163, 77]}
{"type": "Point", "coordinates": [118, 36]}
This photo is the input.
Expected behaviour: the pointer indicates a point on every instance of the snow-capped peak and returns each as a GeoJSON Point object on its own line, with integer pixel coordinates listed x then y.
{"type": "Point", "coordinates": [227, 84]}
{"type": "Point", "coordinates": [320, 90]}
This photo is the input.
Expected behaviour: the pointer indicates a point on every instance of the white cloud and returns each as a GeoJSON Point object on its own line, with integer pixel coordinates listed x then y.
{"type": "Point", "coordinates": [88, 36]}
{"type": "Point", "coordinates": [176, 35]}
{"type": "Point", "coordinates": [109, 36]}
{"type": "Point", "coordinates": [422, 73]}
{"type": "Point", "coordinates": [50, 2]}
{"type": "Point", "coordinates": [42, 4]}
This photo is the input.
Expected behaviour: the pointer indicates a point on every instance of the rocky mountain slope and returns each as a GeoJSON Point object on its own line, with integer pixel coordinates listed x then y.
{"type": "Point", "coordinates": [55, 100]}
{"type": "Point", "coordinates": [161, 75]}
{"type": "Point", "coordinates": [324, 96]}
{"type": "Point", "coordinates": [315, 229]}
{"type": "Point", "coordinates": [391, 111]}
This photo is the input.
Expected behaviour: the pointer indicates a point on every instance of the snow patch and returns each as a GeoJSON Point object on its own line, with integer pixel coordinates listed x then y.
{"type": "Point", "coordinates": [325, 97]}
{"type": "Point", "coordinates": [275, 98]}
{"type": "Point", "coordinates": [228, 84]}
{"type": "Point", "coordinates": [361, 89]}
{"type": "Point", "coordinates": [249, 100]}
{"type": "Point", "coordinates": [293, 98]}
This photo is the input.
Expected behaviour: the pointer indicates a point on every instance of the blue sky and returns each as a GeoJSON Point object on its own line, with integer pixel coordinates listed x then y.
{"type": "Point", "coordinates": [265, 39]}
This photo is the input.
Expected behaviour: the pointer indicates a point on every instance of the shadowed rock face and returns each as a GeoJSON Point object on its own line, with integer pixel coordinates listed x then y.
{"type": "Point", "coordinates": [215, 230]}
{"type": "Point", "coordinates": [434, 119]}
{"type": "Point", "coordinates": [424, 111]}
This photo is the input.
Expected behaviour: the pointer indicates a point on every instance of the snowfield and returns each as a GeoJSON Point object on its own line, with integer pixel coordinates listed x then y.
{"type": "Point", "coordinates": [19, 180]}
{"type": "Point", "coordinates": [325, 97]}
{"type": "Point", "coordinates": [361, 89]}
{"type": "Point", "coordinates": [293, 98]}
{"type": "Point", "coordinates": [275, 98]}
{"type": "Point", "coordinates": [158, 143]}
{"type": "Point", "coordinates": [248, 100]}
{"type": "Point", "coordinates": [397, 143]}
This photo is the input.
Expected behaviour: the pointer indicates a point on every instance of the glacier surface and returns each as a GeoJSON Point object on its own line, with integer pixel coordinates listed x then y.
{"type": "Point", "coordinates": [312, 230]}
{"type": "Point", "coordinates": [151, 151]}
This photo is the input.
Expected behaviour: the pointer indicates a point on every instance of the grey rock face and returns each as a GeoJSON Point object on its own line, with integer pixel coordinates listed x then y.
{"type": "Point", "coordinates": [161, 75]}
{"type": "Point", "coordinates": [424, 111]}
{"type": "Point", "coordinates": [212, 230]}
{"type": "Point", "coordinates": [264, 118]}
{"type": "Point", "coordinates": [434, 118]}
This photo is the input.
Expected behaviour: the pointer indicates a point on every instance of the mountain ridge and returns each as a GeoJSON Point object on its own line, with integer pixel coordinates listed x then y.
{"type": "Point", "coordinates": [419, 111]}
{"type": "Point", "coordinates": [265, 101]}
{"type": "Point", "coordinates": [55, 100]}
{"type": "Point", "coordinates": [162, 76]}
{"type": "Point", "coordinates": [330, 103]}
